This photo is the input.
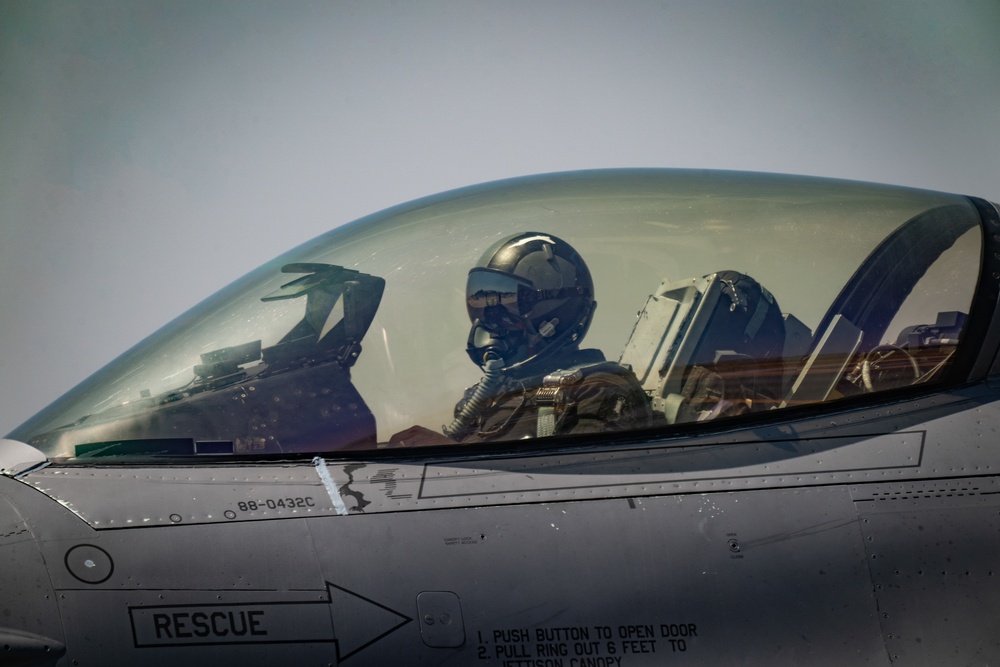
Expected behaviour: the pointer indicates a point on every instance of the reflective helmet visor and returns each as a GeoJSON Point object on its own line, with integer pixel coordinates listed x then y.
{"type": "Point", "coordinates": [497, 299]}
{"type": "Point", "coordinates": [501, 300]}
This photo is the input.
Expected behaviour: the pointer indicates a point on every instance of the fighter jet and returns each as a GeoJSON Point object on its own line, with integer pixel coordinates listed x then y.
{"type": "Point", "coordinates": [589, 419]}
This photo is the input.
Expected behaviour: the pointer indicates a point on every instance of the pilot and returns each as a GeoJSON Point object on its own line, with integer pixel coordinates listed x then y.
{"type": "Point", "coordinates": [531, 300]}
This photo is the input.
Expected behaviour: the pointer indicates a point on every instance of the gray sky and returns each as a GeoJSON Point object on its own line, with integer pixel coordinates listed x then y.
{"type": "Point", "coordinates": [151, 152]}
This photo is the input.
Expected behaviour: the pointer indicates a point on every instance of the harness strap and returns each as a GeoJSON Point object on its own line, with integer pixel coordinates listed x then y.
{"type": "Point", "coordinates": [551, 398]}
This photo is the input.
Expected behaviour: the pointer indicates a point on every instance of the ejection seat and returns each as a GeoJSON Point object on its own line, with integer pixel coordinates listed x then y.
{"type": "Point", "coordinates": [712, 346]}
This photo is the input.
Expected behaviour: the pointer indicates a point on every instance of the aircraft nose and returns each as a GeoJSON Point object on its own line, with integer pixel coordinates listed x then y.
{"type": "Point", "coordinates": [28, 613]}
{"type": "Point", "coordinates": [25, 648]}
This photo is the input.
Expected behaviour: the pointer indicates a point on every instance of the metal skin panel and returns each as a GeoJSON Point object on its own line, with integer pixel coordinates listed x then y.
{"type": "Point", "coordinates": [783, 572]}
{"type": "Point", "coordinates": [683, 465]}
{"type": "Point", "coordinates": [13, 529]}
{"type": "Point", "coordinates": [136, 498]}
{"type": "Point", "coordinates": [722, 539]}
{"type": "Point", "coordinates": [247, 591]}
{"type": "Point", "coordinates": [30, 629]}
{"type": "Point", "coordinates": [699, 579]}
{"type": "Point", "coordinates": [170, 627]}
{"type": "Point", "coordinates": [264, 555]}
{"type": "Point", "coordinates": [932, 549]}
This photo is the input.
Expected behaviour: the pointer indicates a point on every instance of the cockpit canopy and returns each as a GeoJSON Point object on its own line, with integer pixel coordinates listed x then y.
{"type": "Point", "coordinates": [777, 291]}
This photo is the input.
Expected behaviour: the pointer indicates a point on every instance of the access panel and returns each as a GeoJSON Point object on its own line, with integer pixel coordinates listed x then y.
{"type": "Point", "coordinates": [933, 547]}
{"type": "Point", "coordinates": [720, 578]}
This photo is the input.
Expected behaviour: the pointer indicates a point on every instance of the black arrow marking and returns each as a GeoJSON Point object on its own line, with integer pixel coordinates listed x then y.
{"type": "Point", "coordinates": [357, 622]}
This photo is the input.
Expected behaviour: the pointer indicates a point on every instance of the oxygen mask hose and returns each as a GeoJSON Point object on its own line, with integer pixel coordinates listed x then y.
{"type": "Point", "coordinates": [492, 377]}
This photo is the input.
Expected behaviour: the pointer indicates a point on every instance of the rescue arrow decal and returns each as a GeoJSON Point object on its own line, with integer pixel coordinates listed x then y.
{"type": "Point", "coordinates": [357, 622]}
{"type": "Point", "coordinates": [356, 619]}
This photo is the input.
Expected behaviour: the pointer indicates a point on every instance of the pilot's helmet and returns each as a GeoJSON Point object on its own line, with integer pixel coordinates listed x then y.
{"type": "Point", "coordinates": [529, 297]}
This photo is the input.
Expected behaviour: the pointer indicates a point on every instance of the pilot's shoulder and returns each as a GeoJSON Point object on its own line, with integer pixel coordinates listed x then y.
{"type": "Point", "coordinates": [607, 392]}
{"type": "Point", "coordinates": [592, 369]}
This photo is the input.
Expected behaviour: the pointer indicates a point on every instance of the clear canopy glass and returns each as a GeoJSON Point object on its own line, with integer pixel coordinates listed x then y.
{"type": "Point", "coordinates": [361, 333]}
